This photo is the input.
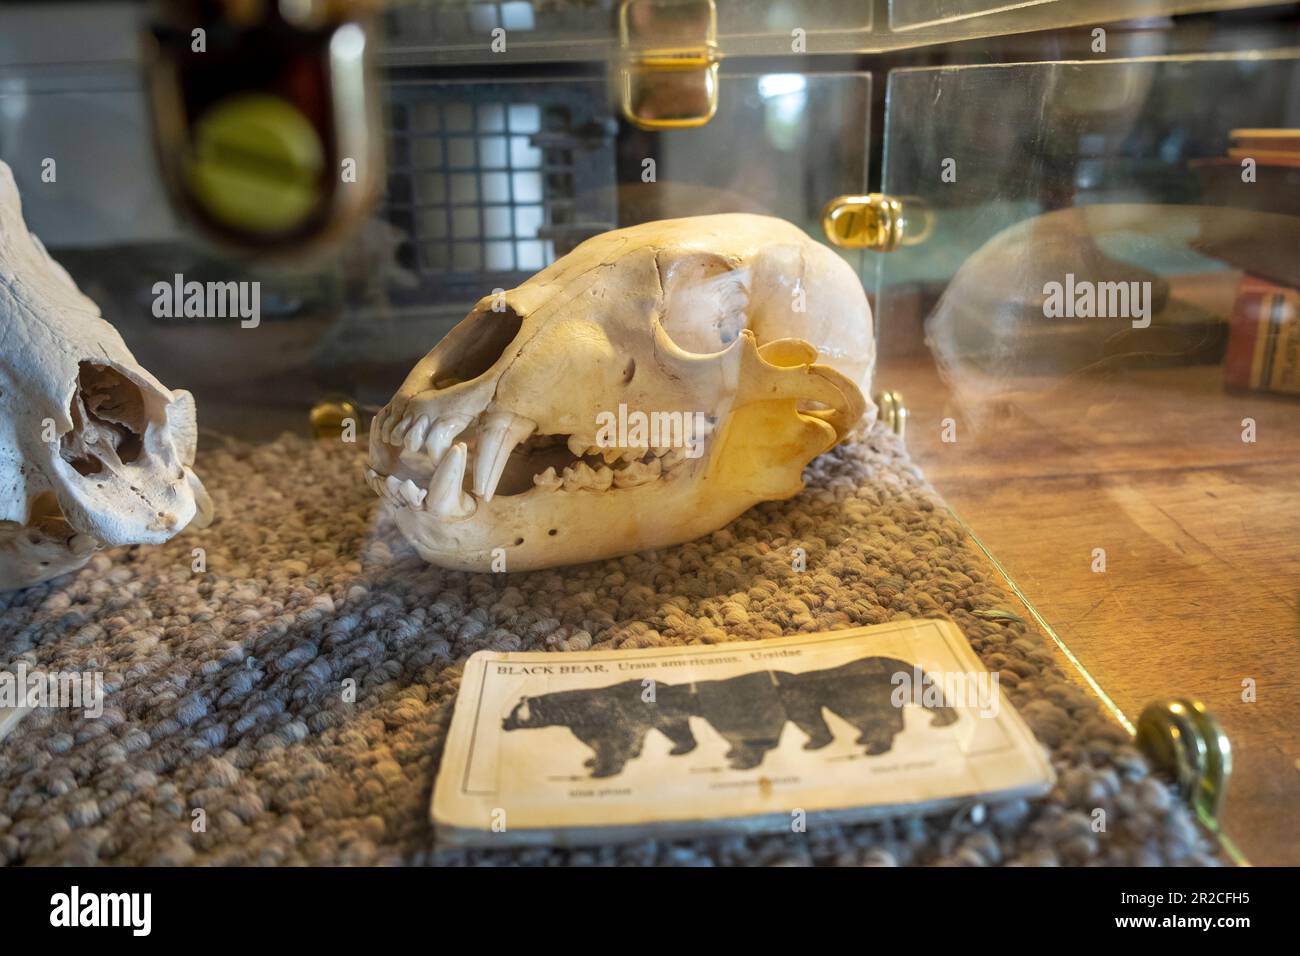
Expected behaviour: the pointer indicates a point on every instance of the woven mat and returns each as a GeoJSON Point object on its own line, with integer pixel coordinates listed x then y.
{"type": "Point", "coordinates": [224, 688]}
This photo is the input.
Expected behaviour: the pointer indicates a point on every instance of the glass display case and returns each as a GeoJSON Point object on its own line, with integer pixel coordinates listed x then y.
{"type": "Point", "coordinates": [1077, 225]}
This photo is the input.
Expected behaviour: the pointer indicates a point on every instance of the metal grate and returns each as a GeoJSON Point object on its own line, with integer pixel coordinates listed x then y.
{"type": "Point", "coordinates": [483, 183]}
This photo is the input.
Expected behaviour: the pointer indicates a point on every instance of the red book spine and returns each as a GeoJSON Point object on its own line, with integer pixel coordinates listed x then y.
{"type": "Point", "coordinates": [1264, 338]}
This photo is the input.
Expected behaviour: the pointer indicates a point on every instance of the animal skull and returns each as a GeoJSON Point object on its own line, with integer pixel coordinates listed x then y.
{"type": "Point", "coordinates": [506, 448]}
{"type": "Point", "coordinates": [94, 451]}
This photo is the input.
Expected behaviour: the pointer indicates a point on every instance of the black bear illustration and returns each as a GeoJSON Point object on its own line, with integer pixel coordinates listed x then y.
{"type": "Point", "coordinates": [749, 711]}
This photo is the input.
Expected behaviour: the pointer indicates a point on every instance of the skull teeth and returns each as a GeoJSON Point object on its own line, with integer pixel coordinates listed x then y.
{"type": "Point", "coordinates": [548, 479]}
{"type": "Point", "coordinates": [500, 433]}
{"type": "Point", "coordinates": [416, 434]}
{"type": "Point", "coordinates": [442, 433]}
{"type": "Point", "coordinates": [446, 497]}
{"type": "Point", "coordinates": [638, 473]}
{"type": "Point", "coordinates": [412, 493]}
{"type": "Point", "coordinates": [597, 469]}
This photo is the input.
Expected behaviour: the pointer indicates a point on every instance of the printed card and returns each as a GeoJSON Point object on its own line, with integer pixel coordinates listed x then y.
{"type": "Point", "coordinates": [578, 748]}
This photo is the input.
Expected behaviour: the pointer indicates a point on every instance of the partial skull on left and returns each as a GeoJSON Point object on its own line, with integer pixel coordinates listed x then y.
{"type": "Point", "coordinates": [94, 451]}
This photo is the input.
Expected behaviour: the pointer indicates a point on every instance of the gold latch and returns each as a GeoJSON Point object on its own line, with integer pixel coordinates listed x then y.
{"type": "Point", "coordinates": [877, 222]}
{"type": "Point", "coordinates": [893, 413]}
{"type": "Point", "coordinates": [669, 68]}
{"type": "Point", "coordinates": [330, 417]}
{"type": "Point", "coordinates": [1180, 737]}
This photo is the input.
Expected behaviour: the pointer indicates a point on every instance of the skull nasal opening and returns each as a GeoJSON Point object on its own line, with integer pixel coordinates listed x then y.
{"type": "Point", "coordinates": [109, 419]}
{"type": "Point", "coordinates": [474, 346]}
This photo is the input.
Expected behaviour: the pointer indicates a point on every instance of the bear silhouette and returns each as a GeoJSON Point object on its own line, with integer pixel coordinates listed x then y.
{"type": "Point", "coordinates": [749, 711]}
{"type": "Point", "coordinates": [613, 721]}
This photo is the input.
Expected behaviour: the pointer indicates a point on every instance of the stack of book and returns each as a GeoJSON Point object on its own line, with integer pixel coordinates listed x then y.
{"type": "Point", "coordinates": [1261, 172]}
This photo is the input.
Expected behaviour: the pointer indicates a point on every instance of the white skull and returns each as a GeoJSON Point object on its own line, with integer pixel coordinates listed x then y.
{"type": "Point", "coordinates": [94, 451]}
{"type": "Point", "coordinates": [514, 444]}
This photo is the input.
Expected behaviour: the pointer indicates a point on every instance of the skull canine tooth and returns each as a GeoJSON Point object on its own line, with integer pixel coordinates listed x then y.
{"type": "Point", "coordinates": [445, 498]}
{"type": "Point", "coordinates": [500, 433]}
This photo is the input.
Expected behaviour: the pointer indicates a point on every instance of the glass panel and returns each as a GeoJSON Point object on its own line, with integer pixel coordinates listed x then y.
{"type": "Point", "coordinates": [460, 30]}
{"type": "Point", "coordinates": [487, 183]}
{"type": "Point", "coordinates": [762, 127]}
{"type": "Point", "coordinates": [446, 31]}
{"type": "Point", "coordinates": [960, 19]}
{"type": "Point", "coordinates": [1097, 345]}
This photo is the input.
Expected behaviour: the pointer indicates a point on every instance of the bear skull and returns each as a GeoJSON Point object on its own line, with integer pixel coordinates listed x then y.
{"type": "Point", "coordinates": [560, 422]}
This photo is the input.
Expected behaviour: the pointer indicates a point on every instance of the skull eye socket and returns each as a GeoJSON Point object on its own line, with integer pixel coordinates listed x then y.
{"type": "Point", "coordinates": [475, 345]}
{"type": "Point", "coordinates": [705, 302]}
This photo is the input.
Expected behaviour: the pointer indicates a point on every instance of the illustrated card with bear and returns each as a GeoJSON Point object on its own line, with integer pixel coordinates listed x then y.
{"type": "Point", "coordinates": [604, 746]}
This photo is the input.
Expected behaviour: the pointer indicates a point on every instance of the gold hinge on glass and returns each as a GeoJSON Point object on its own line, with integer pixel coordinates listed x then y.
{"type": "Point", "coordinates": [893, 413]}
{"type": "Point", "coordinates": [877, 222]}
{"type": "Point", "coordinates": [331, 415]}
{"type": "Point", "coordinates": [1180, 737]}
{"type": "Point", "coordinates": [669, 68]}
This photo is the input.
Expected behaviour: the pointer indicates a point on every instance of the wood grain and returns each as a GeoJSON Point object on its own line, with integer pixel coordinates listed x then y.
{"type": "Point", "coordinates": [1201, 533]}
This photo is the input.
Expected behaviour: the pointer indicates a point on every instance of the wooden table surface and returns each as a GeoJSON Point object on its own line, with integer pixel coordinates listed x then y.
{"type": "Point", "coordinates": [1201, 533]}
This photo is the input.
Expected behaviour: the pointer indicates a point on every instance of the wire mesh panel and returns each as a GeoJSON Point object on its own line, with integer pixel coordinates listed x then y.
{"type": "Point", "coordinates": [484, 180]}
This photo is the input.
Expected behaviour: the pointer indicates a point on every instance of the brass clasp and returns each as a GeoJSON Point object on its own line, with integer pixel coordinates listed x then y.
{"type": "Point", "coordinates": [669, 68]}
{"type": "Point", "coordinates": [1180, 737]}
{"type": "Point", "coordinates": [877, 222]}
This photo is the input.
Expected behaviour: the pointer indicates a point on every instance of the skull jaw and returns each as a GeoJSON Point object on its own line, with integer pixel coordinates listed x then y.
{"type": "Point", "coordinates": [759, 455]}
{"type": "Point", "coordinates": [36, 553]}
{"type": "Point", "coordinates": [544, 529]}
{"type": "Point", "coordinates": [118, 515]}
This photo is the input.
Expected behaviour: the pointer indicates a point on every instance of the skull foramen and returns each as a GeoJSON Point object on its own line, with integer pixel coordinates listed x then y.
{"type": "Point", "coordinates": [94, 451]}
{"type": "Point", "coordinates": [551, 426]}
